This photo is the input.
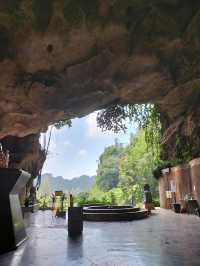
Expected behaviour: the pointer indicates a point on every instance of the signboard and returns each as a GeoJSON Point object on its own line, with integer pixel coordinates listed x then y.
{"type": "Point", "coordinates": [173, 186]}
{"type": "Point", "coordinates": [58, 193]}
{"type": "Point", "coordinates": [165, 171]}
{"type": "Point", "coordinates": [168, 194]}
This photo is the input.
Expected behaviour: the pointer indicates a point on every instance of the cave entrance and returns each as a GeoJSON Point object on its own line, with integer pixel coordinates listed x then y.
{"type": "Point", "coordinates": [47, 234]}
{"type": "Point", "coordinates": [65, 59]}
{"type": "Point", "coordinates": [132, 156]}
{"type": "Point", "coordinates": [79, 151]}
{"type": "Point", "coordinates": [129, 131]}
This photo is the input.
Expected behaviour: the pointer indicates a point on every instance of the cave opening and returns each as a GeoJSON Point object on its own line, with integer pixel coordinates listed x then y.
{"type": "Point", "coordinates": [61, 60]}
{"type": "Point", "coordinates": [117, 127]}
{"type": "Point", "coordinates": [129, 147]}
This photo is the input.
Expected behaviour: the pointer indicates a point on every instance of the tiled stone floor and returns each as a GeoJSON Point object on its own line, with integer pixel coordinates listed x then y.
{"type": "Point", "coordinates": [164, 239]}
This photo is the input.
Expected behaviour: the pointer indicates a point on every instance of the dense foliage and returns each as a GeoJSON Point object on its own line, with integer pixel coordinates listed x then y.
{"type": "Point", "coordinates": [145, 115]}
{"type": "Point", "coordinates": [108, 168]}
{"type": "Point", "coordinates": [62, 123]}
{"type": "Point", "coordinates": [122, 173]}
{"type": "Point", "coordinates": [123, 170]}
{"type": "Point", "coordinates": [136, 169]}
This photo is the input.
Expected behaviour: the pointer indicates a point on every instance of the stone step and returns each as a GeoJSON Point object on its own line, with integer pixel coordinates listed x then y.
{"type": "Point", "coordinates": [113, 216]}
{"type": "Point", "coordinates": [109, 210]}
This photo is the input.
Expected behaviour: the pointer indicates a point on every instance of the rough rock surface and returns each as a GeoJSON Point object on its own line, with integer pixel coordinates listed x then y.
{"type": "Point", "coordinates": [66, 58]}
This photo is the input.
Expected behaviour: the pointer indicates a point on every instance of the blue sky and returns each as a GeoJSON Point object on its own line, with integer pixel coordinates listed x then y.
{"type": "Point", "coordinates": [75, 151]}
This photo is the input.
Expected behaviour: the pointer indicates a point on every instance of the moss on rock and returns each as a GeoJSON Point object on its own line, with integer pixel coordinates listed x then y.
{"type": "Point", "coordinates": [13, 6]}
{"type": "Point", "coordinates": [43, 11]}
{"type": "Point", "coordinates": [12, 17]}
{"type": "Point", "coordinates": [193, 30]}
{"type": "Point", "coordinates": [75, 11]}
{"type": "Point", "coordinates": [6, 44]}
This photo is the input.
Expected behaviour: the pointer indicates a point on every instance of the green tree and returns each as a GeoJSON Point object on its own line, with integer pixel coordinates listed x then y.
{"type": "Point", "coordinates": [108, 168]}
{"type": "Point", "coordinates": [63, 123]}
{"type": "Point", "coordinates": [136, 169]}
{"type": "Point", "coordinates": [146, 116]}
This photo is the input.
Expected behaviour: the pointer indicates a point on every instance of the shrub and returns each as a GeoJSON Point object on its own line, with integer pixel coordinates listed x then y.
{"type": "Point", "coordinates": [156, 202]}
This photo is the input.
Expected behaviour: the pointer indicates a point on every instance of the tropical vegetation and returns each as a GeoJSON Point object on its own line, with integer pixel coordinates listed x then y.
{"type": "Point", "coordinates": [123, 170]}
{"type": "Point", "coordinates": [122, 173]}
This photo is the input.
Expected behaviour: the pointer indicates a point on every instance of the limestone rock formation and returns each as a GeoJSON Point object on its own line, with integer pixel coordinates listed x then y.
{"type": "Point", "coordinates": [66, 58]}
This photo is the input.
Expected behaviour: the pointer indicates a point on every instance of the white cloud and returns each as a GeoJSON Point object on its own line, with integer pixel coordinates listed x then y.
{"type": "Point", "coordinates": [93, 130]}
{"type": "Point", "coordinates": [67, 144]}
{"type": "Point", "coordinates": [53, 145]}
{"type": "Point", "coordinates": [82, 153]}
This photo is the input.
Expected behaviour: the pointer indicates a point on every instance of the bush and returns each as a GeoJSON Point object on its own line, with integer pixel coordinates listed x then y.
{"type": "Point", "coordinates": [43, 202]}
{"type": "Point", "coordinates": [156, 202]}
{"type": "Point", "coordinates": [92, 201]}
{"type": "Point", "coordinates": [92, 197]}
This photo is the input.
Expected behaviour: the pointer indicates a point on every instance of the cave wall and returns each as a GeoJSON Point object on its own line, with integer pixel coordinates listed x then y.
{"type": "Point", "coordinates": [25, 153]}
{"type": "Point", "coordinates": [66, 58]}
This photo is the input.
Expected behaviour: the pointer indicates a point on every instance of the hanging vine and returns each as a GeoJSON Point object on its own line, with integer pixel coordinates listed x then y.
{"type": "Point", "coordinates": [145, 115]}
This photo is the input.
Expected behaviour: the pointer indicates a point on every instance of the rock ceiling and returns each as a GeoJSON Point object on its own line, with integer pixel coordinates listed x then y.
{"type": "Point", "coordinates": [66, 58]}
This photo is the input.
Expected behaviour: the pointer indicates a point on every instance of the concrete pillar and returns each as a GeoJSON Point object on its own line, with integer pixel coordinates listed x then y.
{"type": "Point", "coordinates": [195, 177]}
{"type": "Point", "coordinates": [163, 186]}
{"type": "Point", "coordinates": [181, 175]}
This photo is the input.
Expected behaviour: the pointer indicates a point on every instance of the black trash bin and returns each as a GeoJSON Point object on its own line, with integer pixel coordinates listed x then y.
{"type": "Point", "coordinates": [177, 207]}
{"type": "Point", "coordinates": [75, 221]}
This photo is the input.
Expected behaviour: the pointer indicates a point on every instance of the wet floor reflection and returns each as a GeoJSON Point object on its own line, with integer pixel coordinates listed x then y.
{"type": "Point", "coordinates": [75, 247]}
{"type": "Point", "coordinates": [165, 239]}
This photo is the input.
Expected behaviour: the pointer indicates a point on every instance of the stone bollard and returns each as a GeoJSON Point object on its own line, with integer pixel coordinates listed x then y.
{"type": "Point", "coordinates": [75, 221]}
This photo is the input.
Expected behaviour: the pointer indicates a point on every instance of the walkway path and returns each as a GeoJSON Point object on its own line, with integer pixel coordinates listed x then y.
{"type": "Point", "coordinates": [165, 239]}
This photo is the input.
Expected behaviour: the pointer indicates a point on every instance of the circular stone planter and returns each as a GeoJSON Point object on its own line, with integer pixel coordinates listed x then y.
{"type": "Point", "coordinates": [113, 213]}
